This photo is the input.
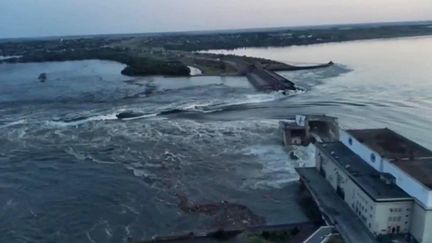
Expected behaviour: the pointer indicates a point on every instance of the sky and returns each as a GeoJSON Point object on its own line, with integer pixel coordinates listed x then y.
{"type": "Point", "coordinates": [35, 18]}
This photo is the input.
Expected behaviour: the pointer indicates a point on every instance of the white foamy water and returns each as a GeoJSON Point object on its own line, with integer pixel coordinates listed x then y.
{"type": "Point", "coordinates": [14, 123]}
{"type": "Point", "coordinates": [83, 120]}
{"type": "Point", "coordinates": [194, 71]}
{"type": "Point", "coordinates": [278, 169]}
{"type": "Point", "coordinates": [8, 57]}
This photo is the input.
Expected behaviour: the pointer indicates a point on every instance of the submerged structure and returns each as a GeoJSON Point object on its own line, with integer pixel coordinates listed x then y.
{"type": "Point", "coordinates": [381, 177]}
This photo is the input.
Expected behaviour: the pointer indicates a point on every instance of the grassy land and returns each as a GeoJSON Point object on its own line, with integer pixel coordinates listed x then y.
{"type": "Point", "coordinates": [136, 65]}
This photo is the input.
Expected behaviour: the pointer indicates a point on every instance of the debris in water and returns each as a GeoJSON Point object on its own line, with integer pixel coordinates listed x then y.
{"type": "Point", "coordinates": [43, 77]}
{"type": "Point", "coordinates": [226, 214]}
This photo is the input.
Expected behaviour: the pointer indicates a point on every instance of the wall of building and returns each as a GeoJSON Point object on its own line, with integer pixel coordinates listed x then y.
{"type": "Point", "coordinates": [379, 217]}
{"type": "Point", "coordinates": [367, 154]}
{"type": "Point", "coordinates": [421, 224]}
{"type": "Point", "coordinates": [407, 183]}
{"type": "Point", "coordinates": [410, 185]}
{"type": "Point", "coordinates": [393, 217]}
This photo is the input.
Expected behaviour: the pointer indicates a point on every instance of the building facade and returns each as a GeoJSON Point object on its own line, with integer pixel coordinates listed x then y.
{"type": "Point", "coordinates": [382, 206]}
{"type": "Point", "coordinates": [409, 163]}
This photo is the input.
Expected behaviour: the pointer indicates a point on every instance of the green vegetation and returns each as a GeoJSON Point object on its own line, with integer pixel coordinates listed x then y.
{"type": "Point", "coordinates": [135, 65]}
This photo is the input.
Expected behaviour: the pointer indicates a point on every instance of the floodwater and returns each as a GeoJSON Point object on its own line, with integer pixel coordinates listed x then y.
{"type": "Point", "coordinates": [70, 171]}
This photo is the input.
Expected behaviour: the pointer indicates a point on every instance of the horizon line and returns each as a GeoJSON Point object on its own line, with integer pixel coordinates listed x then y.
{"type": "Point", "coordinates": [215, 31]}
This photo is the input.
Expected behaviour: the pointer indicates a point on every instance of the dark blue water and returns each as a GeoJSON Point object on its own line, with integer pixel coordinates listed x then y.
{"type": "Point", "coordinates": [70, 171]}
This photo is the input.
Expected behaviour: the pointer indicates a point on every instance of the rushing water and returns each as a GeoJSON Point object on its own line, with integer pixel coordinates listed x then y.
{"type": "Point", "coordinates": [376, 83]}
{"type": "Point", "coordinates": [70, 171]}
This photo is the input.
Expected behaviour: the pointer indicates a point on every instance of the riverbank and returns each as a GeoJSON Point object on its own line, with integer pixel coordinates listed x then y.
{"type": "Point", "coordinates": [147, 63]}
{"type": "Point", "coordinates": [171, 54]}
{"type": "Point", "coordinates": [279, 37]}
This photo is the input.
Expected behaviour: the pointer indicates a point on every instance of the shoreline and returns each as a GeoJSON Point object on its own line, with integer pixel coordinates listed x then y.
{"type": "Point", "coordinates": [172, 55]}
{"type": "Point", "coordinates": [219, 51]}
{"type": "Point", "coordinates": [191, 65]}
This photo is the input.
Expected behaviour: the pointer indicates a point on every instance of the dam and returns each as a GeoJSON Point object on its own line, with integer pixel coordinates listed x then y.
{"type": "Point", "coordinates": [266, 80]}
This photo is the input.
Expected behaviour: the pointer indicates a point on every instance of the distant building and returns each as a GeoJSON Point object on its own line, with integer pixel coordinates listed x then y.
{"type": "Point", "coordinates": [384, 177]}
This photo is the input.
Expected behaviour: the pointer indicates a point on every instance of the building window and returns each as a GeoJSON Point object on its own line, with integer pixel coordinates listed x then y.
{"type": "Point", "coordinates": [373, 157]}
{"type": "Point", "coordinates": [350, 141]}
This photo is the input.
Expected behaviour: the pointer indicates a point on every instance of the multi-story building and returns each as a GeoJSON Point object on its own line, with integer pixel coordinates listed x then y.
{"type": "Point", "coordinates": [381, 205]}
{"type": "Point", "coordinates": [384, 177]}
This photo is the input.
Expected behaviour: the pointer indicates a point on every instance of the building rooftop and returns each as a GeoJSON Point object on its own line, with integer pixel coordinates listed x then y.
{"type": "Point", "coordinates": [421, 170]}
{"type": "Point", "coordinates": [366, 177]}
{"type": "Point", "coordinates": [389, 144]}
{"type": "Point", "coordinates": [409, 156]}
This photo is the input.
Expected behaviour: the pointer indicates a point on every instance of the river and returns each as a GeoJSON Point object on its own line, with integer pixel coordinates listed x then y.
{"type": "Point", "coordinates": [376, 83]}
{"type": "Point", "coordinates": [72, 172]}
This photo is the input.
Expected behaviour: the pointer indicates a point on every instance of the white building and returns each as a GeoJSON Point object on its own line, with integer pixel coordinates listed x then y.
{"type": "Point", "coordinates": [381, 205]}
{"type": "Point", "coordinates": [407, 162]}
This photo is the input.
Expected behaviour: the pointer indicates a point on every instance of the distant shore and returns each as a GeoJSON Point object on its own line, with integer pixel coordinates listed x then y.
{"type": "Point", "coordinates": [173, 54]}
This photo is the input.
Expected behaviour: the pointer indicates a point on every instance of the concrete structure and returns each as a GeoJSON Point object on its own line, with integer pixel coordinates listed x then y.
{"type": "Point", "coordinates": [385, 178]}
{"type": "Point", "coordinates": [265, 80]}
{"type": "Point", "coordinates": [304, 129]}
{"type": "Point", "coordinates": [407, 162]}
{"type": "Point", "coordinates": [320, 235]}
{"type": "Point", "coordinates": [333, 208]}
{"type": "Point", "coordinates": [295, 132]}
{"type": "Point", "coordinates": [382, 206]}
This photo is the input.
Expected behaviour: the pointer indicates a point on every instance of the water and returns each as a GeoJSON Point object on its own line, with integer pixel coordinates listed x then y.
{"type": "Point", "coordinates": [375, 83]}
{"type": "Point", "coordinates": [194, 71]}
{"type": "Point", "coordinates": [70, 171]}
